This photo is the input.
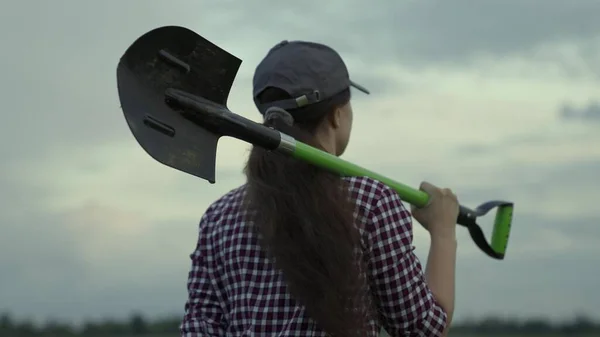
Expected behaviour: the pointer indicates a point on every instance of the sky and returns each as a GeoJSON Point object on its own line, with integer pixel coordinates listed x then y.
{"type": "Point", "coordinates": [496, 99]}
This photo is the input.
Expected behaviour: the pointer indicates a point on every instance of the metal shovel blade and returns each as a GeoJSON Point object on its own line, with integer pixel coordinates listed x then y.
{"type": "Point", "coordinates": [173, 57]}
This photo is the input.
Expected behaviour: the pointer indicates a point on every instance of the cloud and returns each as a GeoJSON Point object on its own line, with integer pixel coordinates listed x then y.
{"type": "Point", "coordinates": [423, 32]}
{"type": "Point", "coordinates": [591, 112]}
{"type": "Point", "coordinates": [524, 287]}
{"type": "Point", "coordinates": [93, 260]}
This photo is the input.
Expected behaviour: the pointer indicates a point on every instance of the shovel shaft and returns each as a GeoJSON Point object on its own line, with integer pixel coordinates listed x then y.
{"type": "Point", "coordinates": [467, 217]}
{"type": "Point", "coordinates": [330, 162]}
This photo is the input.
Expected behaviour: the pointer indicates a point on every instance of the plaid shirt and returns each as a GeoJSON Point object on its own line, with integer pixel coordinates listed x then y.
{"type": "Point", "coordinates": [234, 290]}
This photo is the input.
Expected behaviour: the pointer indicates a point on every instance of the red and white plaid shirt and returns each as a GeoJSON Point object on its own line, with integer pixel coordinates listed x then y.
{"type": "Point", "coordinates": [234, 289]}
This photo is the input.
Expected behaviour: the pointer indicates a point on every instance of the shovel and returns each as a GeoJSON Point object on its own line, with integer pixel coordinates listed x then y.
{"type": "Point", "coordinates": [173, 87]}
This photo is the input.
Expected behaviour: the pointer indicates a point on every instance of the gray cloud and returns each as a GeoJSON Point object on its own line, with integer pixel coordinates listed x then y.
{"type": "Point", "coordinates": [589, 112]}
{"type": "Point", "coordinates": [409, 32]}
{"type": "Point", "coordinates": [430, 31]}
{"type": "Point", "coordinates": [56, 266]}
{"type": "Point", "coordinates": [522, 287]}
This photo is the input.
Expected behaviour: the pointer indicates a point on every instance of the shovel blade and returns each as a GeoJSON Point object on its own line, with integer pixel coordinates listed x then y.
{"type": "Point", "coordinates": [173, 57]}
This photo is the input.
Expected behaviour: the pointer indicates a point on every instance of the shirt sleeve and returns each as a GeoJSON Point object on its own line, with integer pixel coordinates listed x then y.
{"type": "Point", "coordinates": [203, 311]}
{"type": "Point", "coordinates": [405, 303]}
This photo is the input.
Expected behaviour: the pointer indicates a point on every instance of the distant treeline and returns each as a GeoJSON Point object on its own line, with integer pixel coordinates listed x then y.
{"type": "Point", "coordinates": [137, 325]}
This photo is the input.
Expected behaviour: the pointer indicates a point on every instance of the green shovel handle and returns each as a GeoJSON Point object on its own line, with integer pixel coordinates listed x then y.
{"type": "Point", "coordinates": [467, 217]}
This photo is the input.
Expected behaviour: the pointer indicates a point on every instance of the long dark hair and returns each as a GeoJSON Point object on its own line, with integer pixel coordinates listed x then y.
{"type": "Point", "coordinates": [306, 223]}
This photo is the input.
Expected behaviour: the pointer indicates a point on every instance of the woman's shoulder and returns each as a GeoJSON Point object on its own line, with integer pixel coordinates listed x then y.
{"type": "Point", "coordinates": [229, 202]}
{"type": "Point", "coordinates": [371, 194]}
{"type": "Point", "coordinates": [368, 190]}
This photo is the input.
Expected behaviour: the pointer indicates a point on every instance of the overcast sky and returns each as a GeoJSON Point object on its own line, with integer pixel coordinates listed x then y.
{"type": "Point", "coordinates": [497, 99]}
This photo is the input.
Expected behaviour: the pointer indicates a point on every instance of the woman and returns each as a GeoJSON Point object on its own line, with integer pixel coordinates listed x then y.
{"type": "Point", "coordinates": [298, 251]}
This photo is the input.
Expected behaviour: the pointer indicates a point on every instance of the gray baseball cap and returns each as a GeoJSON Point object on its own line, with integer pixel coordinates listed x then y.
{"type": "Point", "coordinates": [310, 72]}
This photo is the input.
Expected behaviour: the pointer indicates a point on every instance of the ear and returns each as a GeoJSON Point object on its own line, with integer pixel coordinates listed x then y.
{"type": "Point", "coordinates": [335, 118]}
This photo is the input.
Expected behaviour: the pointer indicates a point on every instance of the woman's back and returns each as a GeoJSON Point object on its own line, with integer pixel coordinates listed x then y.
{"type": "Point", "coordinates": [236, 290]}
{"type": "Point", "coordinates": [299, 251]}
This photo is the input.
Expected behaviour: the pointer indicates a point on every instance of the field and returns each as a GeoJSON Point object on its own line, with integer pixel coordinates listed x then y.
{"type": "Point", "coordinates": [139, 327]}
{"type": "Point", "coordinates": [382, 335]}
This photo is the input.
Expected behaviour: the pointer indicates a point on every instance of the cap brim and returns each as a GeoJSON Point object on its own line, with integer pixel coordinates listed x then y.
{"type": "Point", "coordinates": [359, 87]}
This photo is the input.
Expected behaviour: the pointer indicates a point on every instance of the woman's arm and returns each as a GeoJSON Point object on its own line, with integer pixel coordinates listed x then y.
{"type": "Point", "coordinates": [406, 304]}
{"type": "Point", "coordinates": [440, 273]}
